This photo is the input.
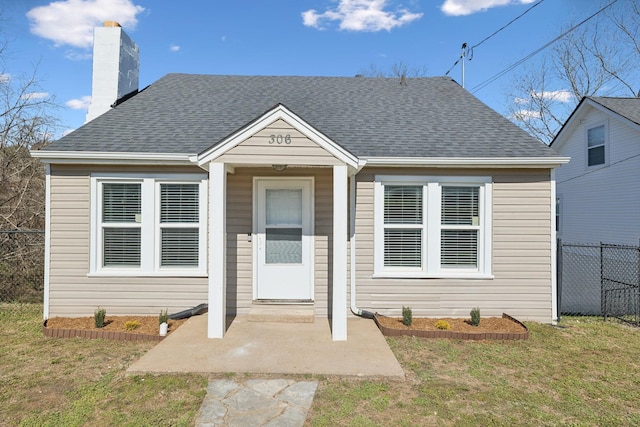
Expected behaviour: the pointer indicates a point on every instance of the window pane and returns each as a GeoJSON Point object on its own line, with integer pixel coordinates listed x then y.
{"type": "Point", "coordinates": [120, 202]}
{"type": "Point", "coordinates": [459, 248]}
{"type": "Point", "coordinates": [179, 247]}
{"type": "Point", "coordinates": [284, 207]}
{"type": "Point", "coordinates": [178, 203]}
{"type": "Point", "coordinates": [460, 205]}
{"type": "Point", "coordinates": [121, 247]}
{"type": "Point", "coordinates": [595, 136]}
{"type": "Point", "coordinates": [402, 248]}
{"type": "Point", "coordinates": [596, 155]}
{"type": "Point", "coordinates": [403, 204]}
{"type": "Point", "coordinates": [283, 246]}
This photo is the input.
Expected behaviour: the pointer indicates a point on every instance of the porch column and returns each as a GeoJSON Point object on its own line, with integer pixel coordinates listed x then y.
{"type": "Point", "coordinates": [339, 312]}
{"type": "Point", "coordinates": [217, 250]}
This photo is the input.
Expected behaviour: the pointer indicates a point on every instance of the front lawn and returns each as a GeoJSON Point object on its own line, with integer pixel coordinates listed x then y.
{"type": "Point", "coordinates": [585, 372]}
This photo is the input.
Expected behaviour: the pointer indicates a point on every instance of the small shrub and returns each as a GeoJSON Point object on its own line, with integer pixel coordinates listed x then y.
{"type": "Point", "coordinates": [98, 317]}
{"type": "Point", "coordinates": [407, 316]}
{"type": "Point", "coordinates": [131, 325]}
{"type": "Point", "coordinates": [164, 317]}
{"type": "Point", "coordinates": [475, 316]}
{"type": "Point", "coordinates": [443, 324]}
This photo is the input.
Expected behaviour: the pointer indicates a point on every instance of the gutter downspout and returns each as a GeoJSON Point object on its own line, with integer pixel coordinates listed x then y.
{"type": "Point", "coordinates": [352, 243]}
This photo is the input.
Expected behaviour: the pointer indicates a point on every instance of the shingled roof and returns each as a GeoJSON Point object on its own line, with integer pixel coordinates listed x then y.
{"type": "Point", "coordinates": [626, 107]}
{"type": "Point", "coordinates": [370, 117]}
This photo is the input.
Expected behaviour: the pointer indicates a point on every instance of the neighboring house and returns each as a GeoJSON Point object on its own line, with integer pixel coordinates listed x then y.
{"type": "Point", "coordinates": [337, 193]}
{"type": "Point", "coordinates": [598, 192]}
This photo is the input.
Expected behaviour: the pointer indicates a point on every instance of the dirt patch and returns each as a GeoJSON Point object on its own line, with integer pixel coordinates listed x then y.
{"type": "Point", "coordinates": [148, 325]}
{"type": "Point", "coordinates": [487, 324]}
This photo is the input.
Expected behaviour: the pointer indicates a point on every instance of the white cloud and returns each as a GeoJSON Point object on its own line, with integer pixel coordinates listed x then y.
{"type": "Point", "coordinates": [77, 55]}
{"type": "Point", "coordinates": [71, 22]}
{"type": "Point", "coordinates": [526, 114]}
{"type": "Point", "coordinates": [5, 77]}
{"type": "Point", "coordinates": [468, 7]}
{"type": "Point", "coordinates": [35, 95]}
{"type": "Point", "coordinates": [174, 48]}
{"type": "Point", "coordinates": [79, 104]}
{"type": "Point", "coordinates": [562, 95]}
{"type": "Point", "coordinates": [360, 15]}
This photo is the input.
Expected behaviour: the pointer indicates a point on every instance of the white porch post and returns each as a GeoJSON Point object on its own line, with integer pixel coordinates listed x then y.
{"type": "Point", "coordinates": [339, 312]}
{"type": "Point", "coordinates": [217, 250]}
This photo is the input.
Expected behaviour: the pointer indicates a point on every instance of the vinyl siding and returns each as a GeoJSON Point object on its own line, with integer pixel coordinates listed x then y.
{"type": "Point", "coordinates": [600, 204]}
{"type": "Point", "coordinates": [72, 292]}
{"type": "Point", "coordinates": [258, 150]}
{"type": "Point", "coordinates": [240, 223]}
{"type": "Point", "coordinates": [521, 255]}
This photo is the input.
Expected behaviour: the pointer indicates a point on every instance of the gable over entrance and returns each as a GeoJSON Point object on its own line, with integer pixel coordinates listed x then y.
{"type": "Point", "coordinates": [279, 137]}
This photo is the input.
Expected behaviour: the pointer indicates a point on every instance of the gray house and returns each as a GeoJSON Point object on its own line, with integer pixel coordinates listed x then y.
{"type": "Point", "coordinates": [329, 194]}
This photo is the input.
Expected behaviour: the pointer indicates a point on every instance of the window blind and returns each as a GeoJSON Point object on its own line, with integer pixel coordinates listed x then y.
{"type": "Point", "coordinates": [403, 247]}
{"type": "Point", "coordinates": [403, 204]}
{"type": "Point", "coordinates": [459, 248]}
{"type": "Point", "coordinates": [460, 221]}
{"type": "Point", "coordinates": [179, 207]}
{"type": "Point", "coordinates": [121, 247]}
{"type": "Point", "coordinates": [179, 248]}
{"type": "Point", "coordinates": [459, 205]}
{"type": "Point", "coordinates": [179, 203]}
{"type": "Point", "coordinates": [120, 202]}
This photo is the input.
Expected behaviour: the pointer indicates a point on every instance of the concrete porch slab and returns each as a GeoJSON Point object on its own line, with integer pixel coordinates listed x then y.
{"type": "Point", "coordinates": [273, 348]}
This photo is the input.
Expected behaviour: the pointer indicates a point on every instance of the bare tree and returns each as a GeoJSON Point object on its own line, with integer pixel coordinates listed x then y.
{"type": "Point", "coordinates": [398, 69]}
{"type": "Point", "coordinates": [25, 124]}
{"type": "Point", "coordinates": [599, 58]}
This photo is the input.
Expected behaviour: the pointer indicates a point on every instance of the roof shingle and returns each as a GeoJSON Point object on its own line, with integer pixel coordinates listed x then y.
{"type": "Point", "coordinates": [370, 117]}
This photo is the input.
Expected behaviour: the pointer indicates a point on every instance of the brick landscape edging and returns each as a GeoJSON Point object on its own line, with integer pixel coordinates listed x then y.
{"type": "Point", "coordinates": [93, 334]}
{"type": "Point", "coordinates": [393, 332]}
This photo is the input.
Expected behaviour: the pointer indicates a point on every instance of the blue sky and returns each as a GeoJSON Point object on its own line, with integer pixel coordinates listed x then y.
{"type": "Point", "coordinates": [277, 37]}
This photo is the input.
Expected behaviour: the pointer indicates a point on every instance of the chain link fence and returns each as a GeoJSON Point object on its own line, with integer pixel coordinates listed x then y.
{"type": "Point", "coordinates": [21, 265]}
{"type": "Point", "coordinates": [599, 279]}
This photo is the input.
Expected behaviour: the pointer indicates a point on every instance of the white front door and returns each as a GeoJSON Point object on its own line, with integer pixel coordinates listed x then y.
{"type": "Point", "coordinates": [284, 232]}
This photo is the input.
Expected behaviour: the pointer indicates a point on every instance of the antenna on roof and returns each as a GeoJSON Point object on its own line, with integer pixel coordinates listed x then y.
{"type": "Point", "coordinates": [462, 55]}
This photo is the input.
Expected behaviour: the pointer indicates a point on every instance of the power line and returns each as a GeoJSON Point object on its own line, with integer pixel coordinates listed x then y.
{"type": "Point", "coordinates": [502, 28]}
{"type": "Point", "coordinates": [535, 52]}
{"type": "Point", "coordinates": [469, 51]}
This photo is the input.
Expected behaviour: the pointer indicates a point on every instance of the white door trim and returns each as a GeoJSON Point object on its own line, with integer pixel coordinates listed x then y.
{"type": "Point", "coordinates": [254, 234]}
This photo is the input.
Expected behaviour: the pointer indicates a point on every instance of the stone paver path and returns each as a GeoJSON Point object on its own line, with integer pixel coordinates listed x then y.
{"type": "Point", "coordinates": [273, 403]}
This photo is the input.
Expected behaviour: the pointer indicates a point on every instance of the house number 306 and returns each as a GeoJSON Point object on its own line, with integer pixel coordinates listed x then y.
{"type": "Point", "coordinates": [279, 139]}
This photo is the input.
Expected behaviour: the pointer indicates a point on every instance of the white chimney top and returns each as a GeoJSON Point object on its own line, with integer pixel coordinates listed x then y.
{"type": "Point", "coordinates": [115, 68]}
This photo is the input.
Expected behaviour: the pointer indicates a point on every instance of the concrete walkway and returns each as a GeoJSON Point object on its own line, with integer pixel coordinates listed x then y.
{"type": "Point", "coordinates": [273, 348]}
{"type": "Point", "coordinates": [274, 403]}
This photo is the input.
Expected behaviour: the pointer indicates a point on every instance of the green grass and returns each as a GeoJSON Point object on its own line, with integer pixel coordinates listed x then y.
{"type": "Point", "coordinates": [584, 373]}
{"type": "Point", "coordinates": [80, 382]}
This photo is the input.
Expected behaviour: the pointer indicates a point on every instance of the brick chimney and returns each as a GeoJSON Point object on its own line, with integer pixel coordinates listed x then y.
{"type": "Point", "coordinates": [115, 68]}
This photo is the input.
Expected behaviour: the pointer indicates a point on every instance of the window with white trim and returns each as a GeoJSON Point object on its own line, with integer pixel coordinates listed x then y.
{"type": "Point", "coordinates": [148, 224]}
{"type": "Point", "coordinates": [429, 226]}
{"type": "Point", "coordinates": [596, 145]}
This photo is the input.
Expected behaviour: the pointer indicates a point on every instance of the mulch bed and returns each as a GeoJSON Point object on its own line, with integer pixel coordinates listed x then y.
{"type": "Point", "coordinates": [114, 329]}
{"type": "Point", "coordinates": [490, 328]}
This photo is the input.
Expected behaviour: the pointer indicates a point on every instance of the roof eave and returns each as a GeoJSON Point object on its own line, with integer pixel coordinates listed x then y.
{"type": "Point", "coordinates": [469, 162]}
{"type": "Point", "coordinates": [115, 158]}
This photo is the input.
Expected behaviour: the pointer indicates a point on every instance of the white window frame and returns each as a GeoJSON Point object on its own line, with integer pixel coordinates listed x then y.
{"type": "Point", "coordinates": [431, 236]}
{"type": "Point", "coordinates": [605, 144]}
{"type": "Point", "coordinates": [150, 225]}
